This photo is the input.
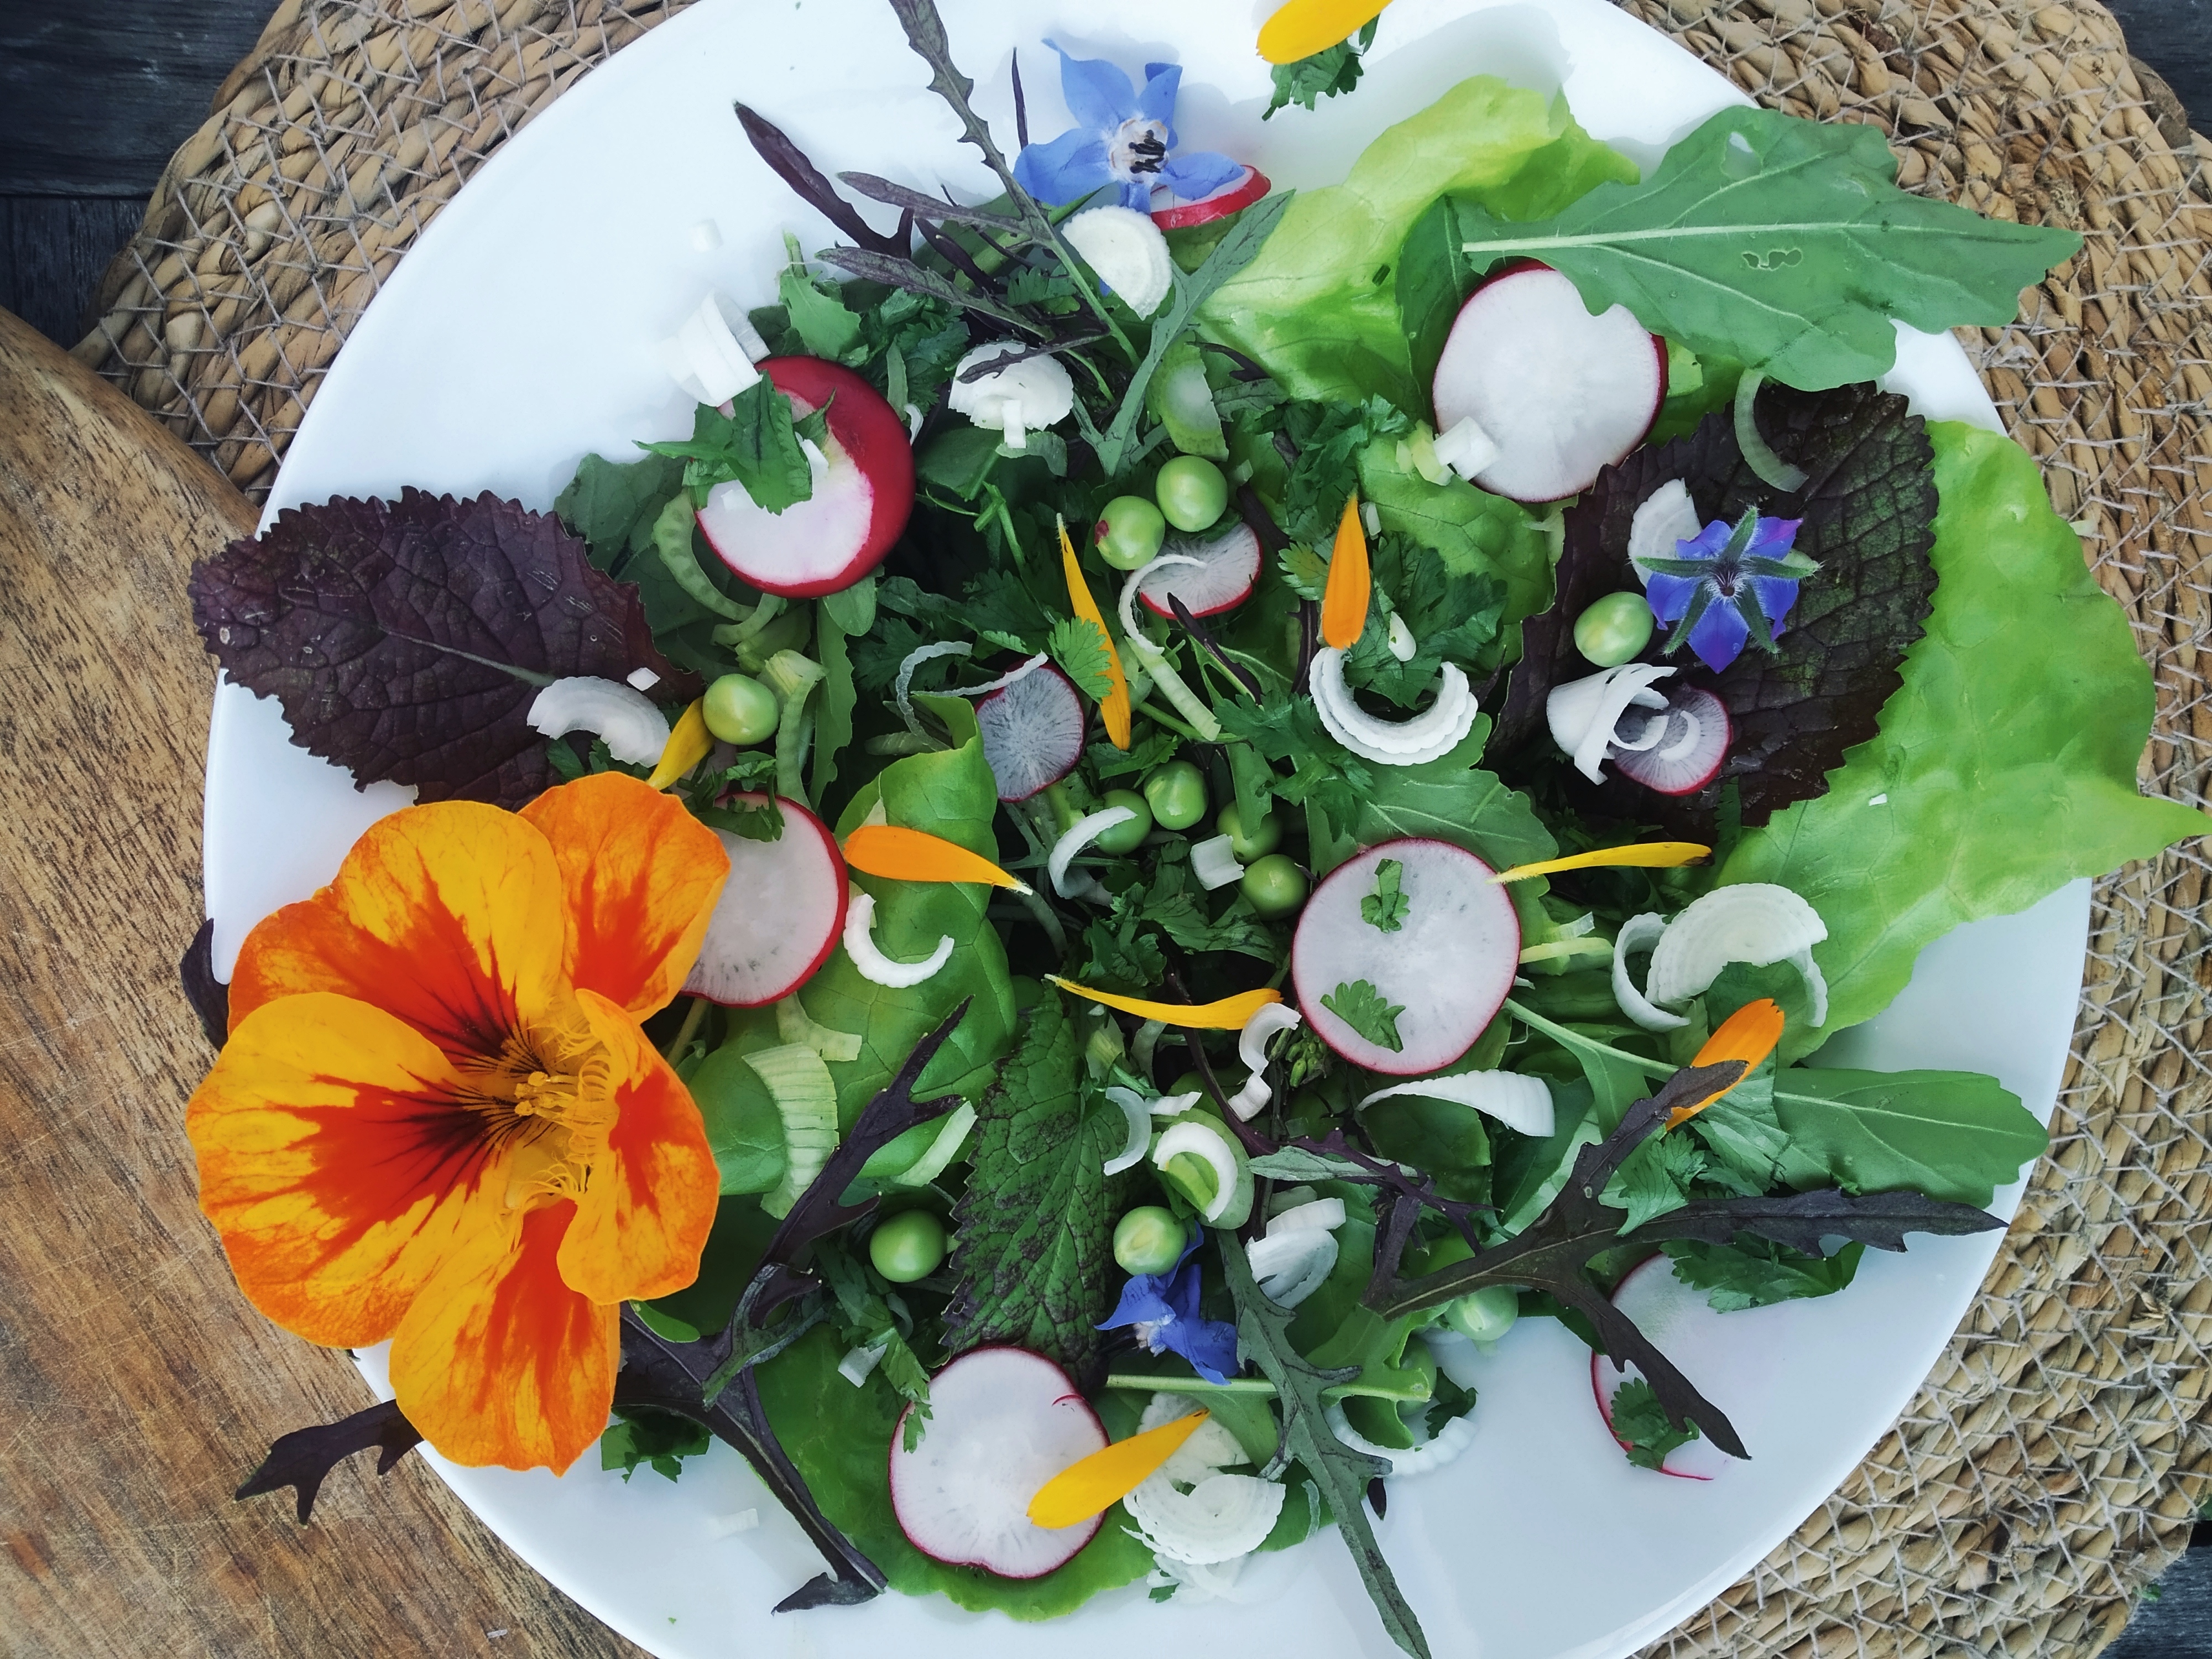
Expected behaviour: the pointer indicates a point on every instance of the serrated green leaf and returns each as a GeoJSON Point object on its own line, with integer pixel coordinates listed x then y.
{"type": "Point", "coordinates": [1385, 908]}
{"type": "Point", "coordinates": [1365, 1010]}
{"type": "Point", "coordinates": [756, 444]}
{"type": "Point", "coordinates": [1639, 1419]}
{"type": "Point", "coordinates": [1756, 1272]}
{"type": "Point", "coordinates": [1954, 1135]}
{"type": "Point", "coordinates": [1076, 646]}
{"type": "Point", "coordinates": [822, 323]}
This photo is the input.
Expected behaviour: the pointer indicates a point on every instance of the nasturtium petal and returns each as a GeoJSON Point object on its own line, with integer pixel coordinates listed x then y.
{"type": "Point", "coordinates": [340, 1159]}
{"type": "Point", "coordinates": [642, 876]}
{"type": "Point", "coordinates": [498, 1361]}
{"type": "Point", "coordinates": [688, 742]}
{"type": "Point", "coordinates": [451, 917]}
{"type": "Point", "coordinates": [1344, 599]}
{"type": "Point", "coordinates": [1114, 708]}
{"type": "Point", "coordinates": [1109, 1476]}
{"type": "Point", "coordinates": [1227, 1014]}
{"type": "Point", "coordinates": [898, 853]}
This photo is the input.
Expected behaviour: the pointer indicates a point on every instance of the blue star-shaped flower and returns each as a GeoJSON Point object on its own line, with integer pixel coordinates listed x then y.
{"type": "Point", "coordinates": [1163, 1307]}
{"type": "Point", "coordinates": [1719, 575]}
{"type": "Point", "coordinates": [1121, 139]}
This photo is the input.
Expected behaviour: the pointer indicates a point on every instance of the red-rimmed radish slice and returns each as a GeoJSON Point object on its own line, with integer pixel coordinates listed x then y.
{"type": "Point", "coordinates": [1171, 212]}
{"type": "Point", "coordinates": [863, 491]}
{"type": "Point", "coordinates": [1032, 732]}
{"type": "Point", "coordinates": [1002, 1422]}
{"type": "Point", "coordinates": [1709, 1348]}
{"type": "Point", "coordinates": [1228, 569]}
{"type": "Point", "coordinates": [1448, 967]}
{"type": "Point", "coordinates": [1563, 394]}
{"type": "Point", "coordinates": [1680, 749]}
{"type": "Point", "coordinates": [781, 914]}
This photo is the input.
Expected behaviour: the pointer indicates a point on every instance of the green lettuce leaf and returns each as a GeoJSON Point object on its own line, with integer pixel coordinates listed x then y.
{"type": "Point", "coordinates": [1319, 307]}
{"type": "Point", "coordinates": [1470, 530]}
{"type": "Point", "coordinates": [2006, 762]}
{"type": "Point", "coordinates": [1784, 243]}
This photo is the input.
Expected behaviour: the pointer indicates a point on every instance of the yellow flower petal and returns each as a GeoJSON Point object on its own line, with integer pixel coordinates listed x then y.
{"type": "Point", "coordinates": [1748, 1035]}
{"type": "Point", "coordinates": [1097, 1483]}
{"type": "Point", "coordinates": [1230, 1014]}
{"type": "Point", "coordinates": [1344, 601]}
{"type": "Point", "coordinates": [900, 854]}
{"type": "Point", "coordinates": [687, 745]}
{"type": "Point", "coordinates": [1114, 709]}
{"type": "Point", "coordinates": [1302, 27]}
{"type": "Point", "coordinates": [1643, 855]}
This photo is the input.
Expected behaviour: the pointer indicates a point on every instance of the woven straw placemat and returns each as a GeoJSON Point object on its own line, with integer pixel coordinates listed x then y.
{"type": "Point", "coordinates": [2053, 1462]}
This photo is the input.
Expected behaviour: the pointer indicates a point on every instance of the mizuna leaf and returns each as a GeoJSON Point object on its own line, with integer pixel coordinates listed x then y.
{"type": "Point", "coordinates": [300, 1459]}
{"type": "Point", "coordinates": [1783, 243]}
{"type": "Point", "coordinates": [405, 640]}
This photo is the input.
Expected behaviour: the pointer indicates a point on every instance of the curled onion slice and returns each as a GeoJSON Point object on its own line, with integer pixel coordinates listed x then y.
{"type": "Point", "coordinates": [1214, 863]}
{"type": "Point", "coordinates": [635, 731]}
{"type": "Point", "coordinates": [708, 356]}
{"type": "Point", "coordinates": [874, 965]}
{"type": "Point", "coordinates": [1455, 1438]}
{"type": "Point", "coordinates": [1664, 520]}
{"type": "Point", "coordinates": [904, 681]}
{"type": "Point", "coordinates": [1232, 1180]}
{"type": "Point", "coordinates": [1427, 736]}
{"type": "Point", "coordinates": [1519, 1102]}
{"type": "Point", "coordinates": [1077, 836]}
{"type": "Point", "coordinates": [1291, 1265]}
{"type": "Point", "coordinates": [1582, 714]}
{"type": "Point", "coordinates": [1153, 660]}
{"type": "Point", "coordinates": [1219, 1518]}
{"type": "Point", "coordinates": [1019, 671]}
{"type": "Point", "coordinates": [1637, 933]}
{"type": "Point", "coordinates": [1754, 921]}
{"type": "Point", "coordinates": [1140, 1129]}
{"type": "Point", "coordinates": [942, 1151]}
{"type": "Point", "coordinates": [1252, 1049]}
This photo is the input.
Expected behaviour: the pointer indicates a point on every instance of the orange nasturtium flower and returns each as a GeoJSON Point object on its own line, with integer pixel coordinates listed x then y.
{"type": "Point", "coordinates": [437, 1120]}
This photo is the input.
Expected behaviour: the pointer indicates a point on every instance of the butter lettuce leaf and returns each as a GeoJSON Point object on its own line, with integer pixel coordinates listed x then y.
{"type": "Point", "coordinates": [2005, 764]}
{"type": "Point", "coordinates": [1319, 306]}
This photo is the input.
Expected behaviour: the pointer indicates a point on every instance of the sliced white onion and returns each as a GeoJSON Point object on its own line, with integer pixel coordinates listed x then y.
{"type": "Point", "coordinates": [1426, 737]}
{"type": "Point", "coordinates": [1815, 981]}
{"type": "Point", "coordinates": [1077, 836]}
{"type": "Point", "coordinates": [914, 659]}
{"type": "Point", "coordinates": [1754, 921]}
{"type": "Point", "coordinates": [1127, 251]}
{"type": "Point", "coordinates": [1583, 713]}
{"type": "Point", "coordinates": [1466, 448]}
{"type": "Point", "coordinates": [635, 731]}
{"type": "Point", "coordinates": [1140, 1129]}
{"type": "Point", "coordinates": [1517, 1101]}
{"type": "Point", "coordinates": [1214, 864]}
{"type": "Point", "coordinates": [644, 679]}
{"type": "Point", "coordinates": [1219, 1519]}
{"type": "Point", "coordinates": [1203, 1141]}
{"type": "Point", "coordinates": [1666, 519]}
{"type": "Point", "coordinates": [794, 1024]}
{"type": "Point", "coordinates": [1177, 1105]}
{"type": "Point", "coordinates": [860, 1364]}
{"type": "Point", "coordinates": [1455, 1437]}
{"type": "Point", "coordinates": [706, 357]}
{"type": "Point", "coordinates": [1153, 660]}
{"type": "Point", "coordinates": [1403, 646]}
{"type": "Point", "coordinates": [1637, 933]}
{"type": "Point", "coordinates": [1289, 1266]}
{"type": "Point", "coordinates": [874, 965]}
{"type": "Point", "coordinates": [942, 1151]}
{"type": "Point", "coordinates": [1324, 1213]}
{"type": "Point", "coordinates": [1020, 671]}
{"type": "Point", "coordinates": [1210, 1449]}
{"type": "Point", "coordinates": [1654, 727]}
{"type": "Point", "coordinates": [1252, 1049]}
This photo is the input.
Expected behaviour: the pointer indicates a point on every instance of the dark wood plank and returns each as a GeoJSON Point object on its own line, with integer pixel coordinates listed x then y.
{"type": "Point", "coordinates": [2174, 37]}
{"type": "Point", "coordinates": [52, 250]}
{"type": "Point", "coordinates": [2176, 1623]}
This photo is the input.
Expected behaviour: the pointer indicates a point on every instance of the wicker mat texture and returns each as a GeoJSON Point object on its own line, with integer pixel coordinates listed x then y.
{"type": "Point", "coordinates": [2053, 1463]}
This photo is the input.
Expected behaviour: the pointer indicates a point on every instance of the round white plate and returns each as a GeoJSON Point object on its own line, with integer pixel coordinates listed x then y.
{"type": "Point", "coordinates": [518, 335]}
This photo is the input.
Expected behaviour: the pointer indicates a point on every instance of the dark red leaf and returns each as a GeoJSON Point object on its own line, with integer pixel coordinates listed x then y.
{"type": "Point", "coordinates": [300, 1459]}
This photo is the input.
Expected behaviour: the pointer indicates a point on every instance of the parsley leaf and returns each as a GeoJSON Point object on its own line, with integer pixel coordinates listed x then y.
{"type": "Point", "coordinates": [1329, 73]}
{"type": "Point", "coordinates": [756, 444]}
{"type": "Point", "coordinates": [1109, 762]}
{"type": "Point", "coordinates": [1640, 1420]}
{"type": "Point", "coordinates": [1757, 1272]}
{"type": "Point", "coordinates": [643, 1434]}
{"type": "Point", "coordinates": [1080, 650]}
{"type": "Point", "coordinates": [1034, 1262]}
{"type": "Point", "coordinates": [1362, 1007]}
{"type": "Point", "coordinates": [1329, 438]}
{"type": "Point", "coordinates": [1385, 908]}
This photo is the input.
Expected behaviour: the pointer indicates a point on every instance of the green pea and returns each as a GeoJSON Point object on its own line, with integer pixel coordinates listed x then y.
{"type": "Point", "coordinates": [1176, 794]}
{"type": "Point", "coordinates": [1266, 835]}
{"type": "Point", "coordinates": [1148, 1240]}
{"type": "Point", "coordinates": [1613, 630]}
{"type": "Point", "coordinates": [740, 709]}
{"type": "Point", "coordinates": [1485, 1314]}
{"type": "Point", "coordinates": [1130, 531]}
{"type": "Point", "coordinates": [1129, 835]}
{"type": "Point", "coordinates": [1191, 491]}
{"type": "Point", "coordinates": [907, 1247]}
{"type": "Point", "coordinates": [1275, 885]}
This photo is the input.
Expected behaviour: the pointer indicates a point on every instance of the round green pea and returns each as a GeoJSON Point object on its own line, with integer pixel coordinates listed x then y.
{"type": "Point", "coordinates": [1274, 885]}
{"type": "Point", "coordinates": [1130, 531]}
{"type": "Point", "coordinates": [1127, 835]}
{"type": "Point", "coordinates": [1266, 835]}
{"type": "Point", "coordinates": [740, 709]}
{"type": "Point", "coordinates": [1614, 630]}
{"type": "Point", "coordinates": [1148, 1240]}
{"type": "Point", "coordinates": [1176, 794]}
{"type": "Point", "coordinates": [907, 1247]}
{"type": "Point", "coordinates": [1485, 1315]}
{"type": "Point", "coordinates": [1192, 492]}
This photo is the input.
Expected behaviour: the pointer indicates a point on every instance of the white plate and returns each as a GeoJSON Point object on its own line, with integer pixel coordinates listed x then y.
{"type": "Point", "coordinates": [518, 335]}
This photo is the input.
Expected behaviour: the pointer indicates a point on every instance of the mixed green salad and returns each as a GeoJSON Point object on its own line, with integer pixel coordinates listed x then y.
{"type": "Point", "coordinates": [1300, 773]}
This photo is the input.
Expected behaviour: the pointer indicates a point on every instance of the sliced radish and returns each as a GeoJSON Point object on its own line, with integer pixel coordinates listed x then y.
{"type": "Point", "coordinates": [1448, 967]}
{"type": "Point", "coordinates": [863, 491]}
{"type": "Point", "coordinates": [1681, 748]}
{"type": "Point", "coordinates": [1227, 570]}
{"type": "Point", "coordinates": [1563, 394]}
{"type": "Point", "coordinates": [1032, 733]}
{"type": "Point", "coordinates": [780, 916]}
{"type": "Point", "coordinates": [1682, 1325]}
{"type": "Point", "coordinates": [1002, 1422]}
{"type": "Point", "coordinates": [1171, 212]}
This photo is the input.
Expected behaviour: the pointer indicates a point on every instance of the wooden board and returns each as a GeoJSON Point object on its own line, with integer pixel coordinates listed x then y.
{"type": "Point", "coordinates": [136, 1387]}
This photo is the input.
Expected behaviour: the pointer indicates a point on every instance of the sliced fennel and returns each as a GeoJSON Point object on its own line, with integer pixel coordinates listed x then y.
{"type": "Point", "coordinates": [806, 1100]}
{"type": "Point", "coordinates": [1519, 1102]}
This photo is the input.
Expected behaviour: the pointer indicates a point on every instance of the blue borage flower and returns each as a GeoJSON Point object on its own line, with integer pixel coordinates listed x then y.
{"type": "Point", "coordinates": [1163, 1311]}
{"type": "Point", "coordinates": [1723, 580]}
{"type": "Point", "coordinates": [1123, 138]}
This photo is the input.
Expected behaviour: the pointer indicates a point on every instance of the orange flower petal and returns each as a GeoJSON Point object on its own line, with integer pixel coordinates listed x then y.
{"type": "Point", "coordinates": [1098, 1482]}
{"type": "Point", "coordinates": [1229, 1014]}
{"type": "Point", "coordinates": [340, 1162]}
{"type": "Point", "coordinates": [642, 875]}
{"type": "Point", "coordinates": [645, 1214]}
{"type": "Point", "coordinates": [1302, 27]}
{"type": "Point", "coordinates": [687, 745]}
{"type": "Point", "coordinates": [901, 854]}
{"type": "Point", "coordinates": [1748, 1035]}
{"type": "Point", "coordinates": [451, 916]}
{"type": "Point", "coordinates": [1115, 710]}
{"type": "Point", "coordinates": [1642, 855]}
{"type": "Point", "coordinates": [1344, 600]}
{"type": "Point", "coordinates": [498, 1361]}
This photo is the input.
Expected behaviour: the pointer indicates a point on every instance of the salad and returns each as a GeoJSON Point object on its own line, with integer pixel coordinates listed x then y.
{"type": "Point", "coordinates": [1179, 805]}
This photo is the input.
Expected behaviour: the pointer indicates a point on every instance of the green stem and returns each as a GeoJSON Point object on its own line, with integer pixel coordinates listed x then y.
{"type": "Point", "coordinates": [693, 1017]}
{"type": "Point", "coordinates": [1573, 1040]}
{"type": "Point", "coordinates": [1167, 720]}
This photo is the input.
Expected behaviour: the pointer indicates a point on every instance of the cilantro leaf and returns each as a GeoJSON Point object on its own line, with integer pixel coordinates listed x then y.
{"type": "Point", "coordinates": [1080, 650]}
{"type": "Point", "coordinates": [1329, 73]}
{"type": "Point", "coordinates": [1034, 1262]}
{"type": "Point", "coordinates": [642, 1434]}
{"type": "Point", "coordinates": [1362, 1007]}
{"type": "Point", "coordinates": [1639, 1421]}
{"type": "Point", "coordinates": [1757, 1272]}
{"type": "Point", "coordinates": [1785, 243]}
{"type": "Point", "coordinates": [1384, 908]}
{"type": "Point", "coordinates": [756, 445]}
{"type": "Point", "coordinates": [1305, 572]}
{"type": "Point", "coordinates": [1329, 439]}
{"type": "Point", "coordinates": [406, 640]}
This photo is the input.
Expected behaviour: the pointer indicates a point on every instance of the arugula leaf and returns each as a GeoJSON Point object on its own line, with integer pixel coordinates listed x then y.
{"type": "Point", "coordinates": [820, 320]}
{"type": "Point", "coordinates": [1955, 1135]}
{"type": "Point", "coordinates": [1785, 243]}
{"type": "Point", "coordinates": [1034, 1261]}
{"type": "Point", "coordinates": [1755, 1272]}
{"type": "Point", "coordinates": [640, 1434]}
{"type": "Point", "coordinates": [756, 444]}
{"type": "Point", "coordinates": [1076, 646]}
{"type": "Point", "coordinates": [1331, 72]}
{"type": "Point", "coordinates": [1364, 1009]}
{"type": "Point", "coordinates": [406, 640]}
{"type": "Point", "coordinates": [1384, 908]}
{"type": "Point", "coordinates": [1640, 1423]}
